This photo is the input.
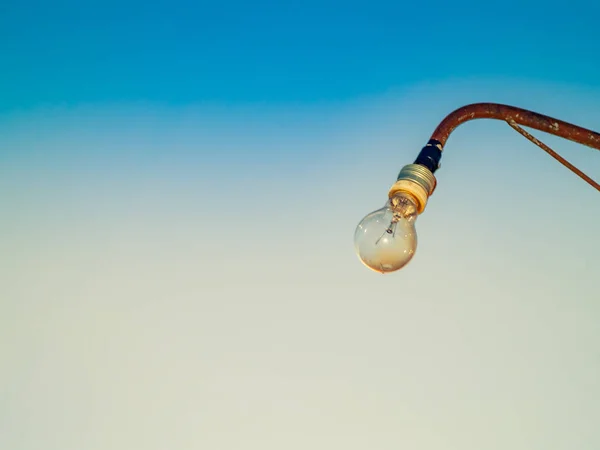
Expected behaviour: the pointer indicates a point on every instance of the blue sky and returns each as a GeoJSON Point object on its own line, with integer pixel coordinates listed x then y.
{"type": "Point", "coordinates": [183, 53]}
{"type": "Point", "coordinates": [179, 189]}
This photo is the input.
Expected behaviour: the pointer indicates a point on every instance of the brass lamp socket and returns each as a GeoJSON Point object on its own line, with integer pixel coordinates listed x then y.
{"type": "Point", "coordinates": [417, 181]}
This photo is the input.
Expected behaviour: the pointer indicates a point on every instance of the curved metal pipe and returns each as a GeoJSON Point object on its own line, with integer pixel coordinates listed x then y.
{"type": "Point", "coordinates": [521, 116]}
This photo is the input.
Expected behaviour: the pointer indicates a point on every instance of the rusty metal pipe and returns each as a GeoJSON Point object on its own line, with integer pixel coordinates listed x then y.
{"type": "Point", "coordinates": [430, 156]}
{"type": "Point", "coordinates": [521, 116]}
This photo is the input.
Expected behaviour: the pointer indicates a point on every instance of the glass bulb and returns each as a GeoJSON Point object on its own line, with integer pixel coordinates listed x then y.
{"type": "Point", "coordinates": [386, 239]}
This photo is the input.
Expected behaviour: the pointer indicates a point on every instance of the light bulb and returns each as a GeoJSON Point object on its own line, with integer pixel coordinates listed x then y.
{"type": "Point", "coordinates": [386, 239]}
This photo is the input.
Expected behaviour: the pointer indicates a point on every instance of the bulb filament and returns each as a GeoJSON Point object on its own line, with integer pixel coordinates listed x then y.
{"type": "Point", "coordinates": [390, 230]}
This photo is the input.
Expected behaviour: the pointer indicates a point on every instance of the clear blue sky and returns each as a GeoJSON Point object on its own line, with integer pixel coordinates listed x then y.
{"type": "Point", "coordinates": [234, 51]}
{"type": "Point", "coordinates": [179, 190]}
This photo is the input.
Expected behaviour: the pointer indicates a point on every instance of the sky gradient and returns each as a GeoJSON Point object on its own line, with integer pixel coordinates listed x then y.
{"type": "Point", "coordinates": [180, 186]}
{"type": "Point", "coordinates": [68, 52]}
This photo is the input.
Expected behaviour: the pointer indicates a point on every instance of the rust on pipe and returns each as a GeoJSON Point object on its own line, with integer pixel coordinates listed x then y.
{"type": "Point", "coordinates": [518, 115]}
{"type": "Point", "coordinates": [555, 155]}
